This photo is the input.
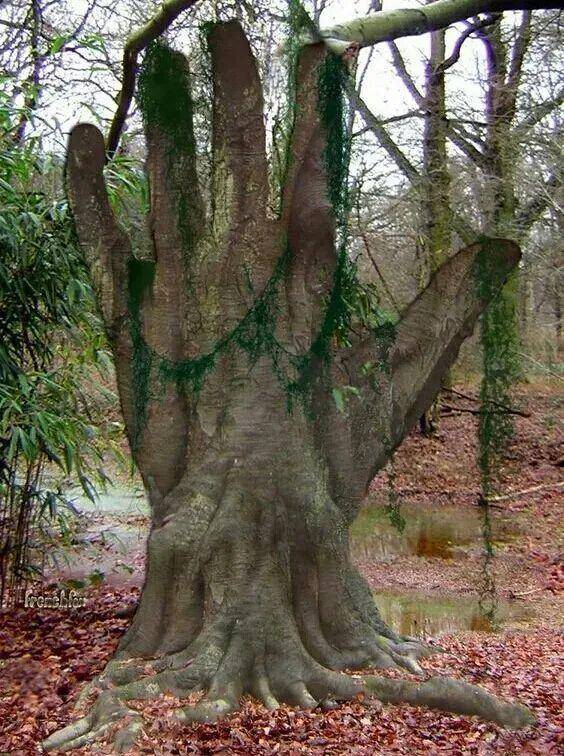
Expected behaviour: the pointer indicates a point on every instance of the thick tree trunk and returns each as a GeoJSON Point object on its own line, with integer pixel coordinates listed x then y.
{"type": "Point", "coordinates": [248, 573]}
{"type": "Point", "coordinates": [436, 185]}
{"type": "Point", "coordinates": [249, 584]}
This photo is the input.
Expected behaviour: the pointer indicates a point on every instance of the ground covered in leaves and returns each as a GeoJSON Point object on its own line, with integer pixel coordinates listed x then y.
{"type": "Point", "coordinates": [47, 656]}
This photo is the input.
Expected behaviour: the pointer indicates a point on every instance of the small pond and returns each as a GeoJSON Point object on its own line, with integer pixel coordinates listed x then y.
{"type": "Point", "coordinates": [423, 615]}
{"type": "Point", "coordinates": [443, 532]}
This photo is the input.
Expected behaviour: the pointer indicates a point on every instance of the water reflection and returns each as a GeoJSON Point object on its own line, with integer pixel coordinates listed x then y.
{"type": "Point", "coordinates": [441, 532]}
{"type": "Point", "coordinates": [424, 616]}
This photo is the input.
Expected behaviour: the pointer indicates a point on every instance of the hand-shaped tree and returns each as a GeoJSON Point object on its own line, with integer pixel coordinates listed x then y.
{"type": "Point", "coordinates": [229, 346]}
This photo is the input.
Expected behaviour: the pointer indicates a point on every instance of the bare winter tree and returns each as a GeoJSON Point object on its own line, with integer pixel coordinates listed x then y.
{"type": "Point", "coordinates": [508, 178]}
{"type": "Point", "coordinates": [229, 349]}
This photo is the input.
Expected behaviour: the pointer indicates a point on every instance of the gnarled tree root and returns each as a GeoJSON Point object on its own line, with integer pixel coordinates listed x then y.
{"type": "Point", "coordinates": [455, 696]}
{"type": "Point", "coordinates": [292, 679]}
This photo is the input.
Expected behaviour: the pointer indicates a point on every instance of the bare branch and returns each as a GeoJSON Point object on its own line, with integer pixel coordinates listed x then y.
{"type": "Point", "coordinates": [540, 111]}
{"type": "Point", "coordinates": [379, 272]}
{"type": "Point", "coordinates": [518, 53]}
{"type": "Point", "coordinates": [466, 34]}
{"type": "Point", "coordinates": [467, 148]}
{"type": "Point", "coordinates": [31, 87]}
{"type": "Point", "coordinates": [375, 125]}
{"type": "Point", "coordinates": [534, 209]}
{"type": "Point", "coordinates": [408, 22]}
{"type": "Point", "coordinates": [402, 72]}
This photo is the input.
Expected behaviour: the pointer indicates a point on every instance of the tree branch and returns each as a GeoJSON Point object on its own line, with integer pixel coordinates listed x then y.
{"type": "Point", "coordinates": [471, 398]}
{"type": "Point", "coordinates": [399, 158]}
{"type": "Point", "coordinates": [239, 173]}
{"type": "Point", "coordinates": [307, 213]}
{"type": "Point", "coordinates": [540, 111]}
{"type": "Point", "coordinates": [105, 244]}
{"type": "Point", "coordinates": [137, 42]}
{"type": "Point", "coordinates": [518, 53]}
{"type": "Point", "coordinates": [461, 226]}
{"type": "Point", "coordinates": [427, 340]}
{"type": "Point", "coordinates": [379, 272]}
{"type": "Point", "coordinates": [467, 148]}
{"type": "Point", "coordinates": [403, 73]}
{"type": "Point", "coordinates": [32, 83]}
{"type": "Point", "coordinates": [457, 49]}
{"type": "Point", "coordinates": [533, 210]}
{"type": "Point", "coordinates": [408, 22]}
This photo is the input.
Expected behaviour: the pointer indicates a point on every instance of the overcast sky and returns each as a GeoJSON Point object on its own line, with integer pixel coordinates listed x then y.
{"type": "Point", "coordinates": [383, 91]}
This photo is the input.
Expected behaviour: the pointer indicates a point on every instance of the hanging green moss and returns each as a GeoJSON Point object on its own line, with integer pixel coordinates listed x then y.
{"type": "Point", "coordinates": [332, 76]}
{"type": "Point", "coordinates": [164, 94]}
{"type": "Point", "coordinates": [140, 280]}
{"type": "Point", "coordinates": [254, 335]}
{"type": "Point", "coordinates": [500, 363]}
{"type": "Point", "coordinates": [283, 128]}
{"type": "Point", "coordinates": [500, 369]}
{"type": "Point", "coordinates": [349, 301]}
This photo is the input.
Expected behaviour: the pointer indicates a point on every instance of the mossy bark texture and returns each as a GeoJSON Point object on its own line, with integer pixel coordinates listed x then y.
{"type": "Point", "coordinates": [249, 585]}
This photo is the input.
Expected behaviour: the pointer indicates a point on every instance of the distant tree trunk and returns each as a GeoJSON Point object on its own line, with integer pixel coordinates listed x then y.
{"type": "Point", "coordinates": [558, 257]}
{"type": "Point", "coordinates": [32, 86]}
{"type": "Point", "coordinates": [249, 584]}
{"type": "Point", "coordinates": [437, 232]}
{"type": "Point", "coordinates": [501, 104]}
{"type": "Point", "coordinates": [505, 70]}
{"type": "Point", "coordinates": [526, 304]}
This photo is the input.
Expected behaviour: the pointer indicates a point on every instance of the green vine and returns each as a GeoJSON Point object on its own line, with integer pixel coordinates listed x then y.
{"type": "Point", "coordinates": [254, 335]}
{"type": "Point", "coordinates": [166, 104]}
{"type": "Point", "coordinates": [500, 369]}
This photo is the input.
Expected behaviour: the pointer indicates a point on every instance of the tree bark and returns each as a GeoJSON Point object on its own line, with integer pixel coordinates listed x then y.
{"type": "Point", "coordinates": [249, 584]}
{"type": "Point", "coordinates": [437, 213]}
{"type": "Point", "coordinates": [407, 22]}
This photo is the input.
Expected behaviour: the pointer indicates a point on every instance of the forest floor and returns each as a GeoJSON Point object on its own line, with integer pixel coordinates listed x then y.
{"type": "Point", "coordinates": [428, 580]}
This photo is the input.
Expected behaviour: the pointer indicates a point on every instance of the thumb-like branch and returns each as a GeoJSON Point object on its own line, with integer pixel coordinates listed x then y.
{"type": "Point", "coordinates": [395, 389]}
{"type": "Point", "coordinates": [431, 331]}
{"type": "Point", "coordinates": [105, 245]}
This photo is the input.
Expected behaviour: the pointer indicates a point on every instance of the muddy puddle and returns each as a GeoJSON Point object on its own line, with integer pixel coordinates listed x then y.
{"type": "Point", "coordinates": [110, 544]}
{"type": "Point", "coordinates": [422, 615]}
{"type": "Point", "coordinates": [441, 532]}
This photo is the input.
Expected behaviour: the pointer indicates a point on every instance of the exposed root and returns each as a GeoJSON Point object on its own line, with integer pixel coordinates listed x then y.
{"type": "Point", "coordinates": [282, 672]}
{"type": "Point", "coordinates": [207, 711]}
{"type": "Point", "coordinates": [451, 695]}
{"type": "Point", "coordinates": [106, 712]}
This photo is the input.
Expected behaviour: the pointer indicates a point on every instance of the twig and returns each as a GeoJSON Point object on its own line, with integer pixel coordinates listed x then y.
{"type": "Point", "coordinates": [540, 364]}
{"type": "Point", "coordinates": [379, 273]}
{"type": "Point", "coordinates": [525, 593]}
{"type": "Point", "coordinates": [516, 494]}
{"type": "Point", "coordinates": [480, 24]}
{"type": "Point", "coordinates": [489, 401]}
{"type": "Point", "coordinates": [452, 408]}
